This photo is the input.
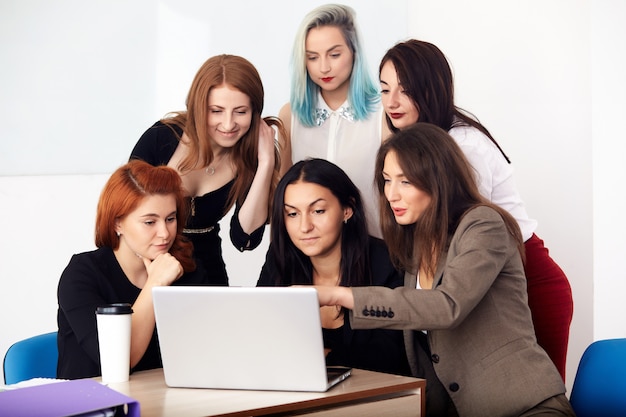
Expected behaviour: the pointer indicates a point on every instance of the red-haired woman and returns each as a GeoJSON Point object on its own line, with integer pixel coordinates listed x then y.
{"type": "Point", "coordinates": [139, 225]}
{"type": "Point", "coordinates": [225, 153]}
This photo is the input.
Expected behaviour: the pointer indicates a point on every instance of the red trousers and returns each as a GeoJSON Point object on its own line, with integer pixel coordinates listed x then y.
{"type": "Point", "coordinates": [550, 301]}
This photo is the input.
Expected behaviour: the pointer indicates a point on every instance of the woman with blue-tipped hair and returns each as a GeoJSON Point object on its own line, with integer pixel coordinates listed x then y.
{"type": "Point", "coordinates": [334, 110]}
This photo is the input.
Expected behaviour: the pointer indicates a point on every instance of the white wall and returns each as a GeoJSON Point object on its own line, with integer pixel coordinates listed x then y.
{"type": "Point", "coordinates": [609, 162]}
{"type": "Point", "coordinates": [83, 82]}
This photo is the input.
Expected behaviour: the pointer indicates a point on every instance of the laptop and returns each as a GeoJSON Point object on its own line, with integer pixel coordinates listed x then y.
{"type": "Point", "coordinates": [251, 338]}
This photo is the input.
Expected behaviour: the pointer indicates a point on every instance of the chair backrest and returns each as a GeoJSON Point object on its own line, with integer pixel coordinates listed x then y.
{"type": "Point", "coordinates": [600, 384]}
{"type": "Point", "coordinates": [35, 357]}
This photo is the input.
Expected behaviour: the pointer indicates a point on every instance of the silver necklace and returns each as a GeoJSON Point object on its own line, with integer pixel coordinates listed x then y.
{"type": "Point", "coordinates": [210, 170]}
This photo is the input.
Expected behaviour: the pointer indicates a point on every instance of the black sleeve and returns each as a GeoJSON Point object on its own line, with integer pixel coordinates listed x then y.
{"type": "Point", "coordinates": [82, 288]}
{"type": "Point", "coordinates": [241, 239]}
{"type": "Point", "coordinates": [157, 145]}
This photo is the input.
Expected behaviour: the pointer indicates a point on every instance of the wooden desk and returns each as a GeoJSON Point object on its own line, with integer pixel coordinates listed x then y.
{"type": "Point", "coordinates": [363, 394]}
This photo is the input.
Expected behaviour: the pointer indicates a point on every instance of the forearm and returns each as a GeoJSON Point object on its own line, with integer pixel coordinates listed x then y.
{"type": "Point", "coordinates": [143, 323]}
{"type": "Point", "coordinates": [285, 154]}
{"type": "Point", "coordinates": [254, 210]}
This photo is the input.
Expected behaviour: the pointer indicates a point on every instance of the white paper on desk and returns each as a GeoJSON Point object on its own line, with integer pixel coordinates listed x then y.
{"type": "Point", "coordinates": [30, 383]}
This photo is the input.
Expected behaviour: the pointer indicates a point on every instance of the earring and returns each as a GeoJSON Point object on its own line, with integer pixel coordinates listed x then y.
{"type": "Point", "coordinates": [345, 221]}
{"type": "Point", "coordinates": [118, 234]}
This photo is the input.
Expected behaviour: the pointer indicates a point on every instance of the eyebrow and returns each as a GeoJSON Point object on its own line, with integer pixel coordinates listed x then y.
{"type": "Point", "coordinates": [398, 175]}
{"type": "Point", "coordinates": [156, 215]}
{"type": "Point", "coordinates": [312, 203]}
{"type": "Point", "coordinates": [328, 50]}
{"type": "Point", "coordinates": [246, 107]}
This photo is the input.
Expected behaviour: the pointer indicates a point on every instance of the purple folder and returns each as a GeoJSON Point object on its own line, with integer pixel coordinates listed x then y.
{"type": "Point", "coordinates": [68, 398]}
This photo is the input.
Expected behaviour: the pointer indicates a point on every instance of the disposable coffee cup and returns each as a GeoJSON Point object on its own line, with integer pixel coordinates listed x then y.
{"type": "Point", "coordinates": [114, 324]}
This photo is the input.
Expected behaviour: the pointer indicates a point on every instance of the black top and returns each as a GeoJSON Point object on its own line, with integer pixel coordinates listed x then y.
{"type": "Point", "coordinates": [92, 279]}
{"type": "Point", "coordinates": [156, 146]}
{"type": "Point", "coordinates": [378, 350]}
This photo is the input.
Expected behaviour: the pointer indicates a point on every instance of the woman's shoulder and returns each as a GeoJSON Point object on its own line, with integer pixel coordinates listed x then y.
{"type": "Point", "coordinates": [377, 245]}
{"type": "Point", "coordinates": [87, 265]}
{"type": "Point", "coordinates": [157, 144]}
{"type": "Point", "coordinates": [473, 141]}
{"type": "Point", "coordinates": [379, 253]}
{"type": "Point", "coordinates": [96, 255]}
{"type": "Point", "coordinates": [482, 211]}
{"type": "Point", "coordinates": [480, 217]}
{"type": "Point", "coordinates": [164, 131]}
{"type": "Point", "coordinates": [383, 271]}
{"type": "Point", "coordinates": [462, 133]}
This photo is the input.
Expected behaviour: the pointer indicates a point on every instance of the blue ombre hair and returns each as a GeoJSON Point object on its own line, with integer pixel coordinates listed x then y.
{"type": "Point", "coordinates": [363, 93]}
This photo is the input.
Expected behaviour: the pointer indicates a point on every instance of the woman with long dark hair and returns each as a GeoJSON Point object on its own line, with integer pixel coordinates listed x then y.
{"type": "Point", "coordinates": [319, 237]}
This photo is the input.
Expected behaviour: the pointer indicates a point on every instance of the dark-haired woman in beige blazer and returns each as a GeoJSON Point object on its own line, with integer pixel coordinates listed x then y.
{"type": "Point", "coordinates": [464, 309]}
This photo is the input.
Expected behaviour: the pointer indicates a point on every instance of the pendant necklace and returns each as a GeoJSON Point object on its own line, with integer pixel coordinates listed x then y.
{"type": "Point", "coordinates": [210, 170]}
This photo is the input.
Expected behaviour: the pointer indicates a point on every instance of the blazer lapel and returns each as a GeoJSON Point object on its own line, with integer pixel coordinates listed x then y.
{"type": "Point", "coordinates": [410, 279]}
{"type": "Point", "coordinates": [440, 266]}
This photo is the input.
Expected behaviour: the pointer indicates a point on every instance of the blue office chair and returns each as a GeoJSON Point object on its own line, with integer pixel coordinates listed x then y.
{"type": "Point", "coordinates": [35, 357]}
{"type": "Point", "coordinates": [600, 383]}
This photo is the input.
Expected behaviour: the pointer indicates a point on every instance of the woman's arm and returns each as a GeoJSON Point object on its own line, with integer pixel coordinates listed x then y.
{"type": "Point", "coordinates": [285, 141]}
{"type": "Point", "coordinates": [83, 287]}
{"type": "Point", "coordinates": [479, 251]}
{"type": "Point", "coordinates": [335, 296]}
{"type": "Point", "coordinates": [254, 210]}
{"type": "Point", "coordinates": [163, 271]}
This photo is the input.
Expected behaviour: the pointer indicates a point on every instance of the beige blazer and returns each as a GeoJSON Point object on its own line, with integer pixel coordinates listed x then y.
{"type": "Point", "coordinates": [480, 332]}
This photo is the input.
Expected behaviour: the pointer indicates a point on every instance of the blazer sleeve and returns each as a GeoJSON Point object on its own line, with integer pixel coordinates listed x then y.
{"type": "Point", "coordinates": [478, 251]}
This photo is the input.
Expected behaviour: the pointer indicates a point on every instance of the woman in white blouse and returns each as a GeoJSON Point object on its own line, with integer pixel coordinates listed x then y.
{"type": "Point", "coordinates": [334, 110]}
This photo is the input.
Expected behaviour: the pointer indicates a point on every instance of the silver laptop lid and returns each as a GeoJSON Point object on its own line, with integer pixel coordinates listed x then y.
{"type": "Point", "coordinates": [267, 338]}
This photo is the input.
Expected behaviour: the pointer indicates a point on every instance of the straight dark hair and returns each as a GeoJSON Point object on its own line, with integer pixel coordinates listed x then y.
{"type": "Point", "coordinates": [294, 267]}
